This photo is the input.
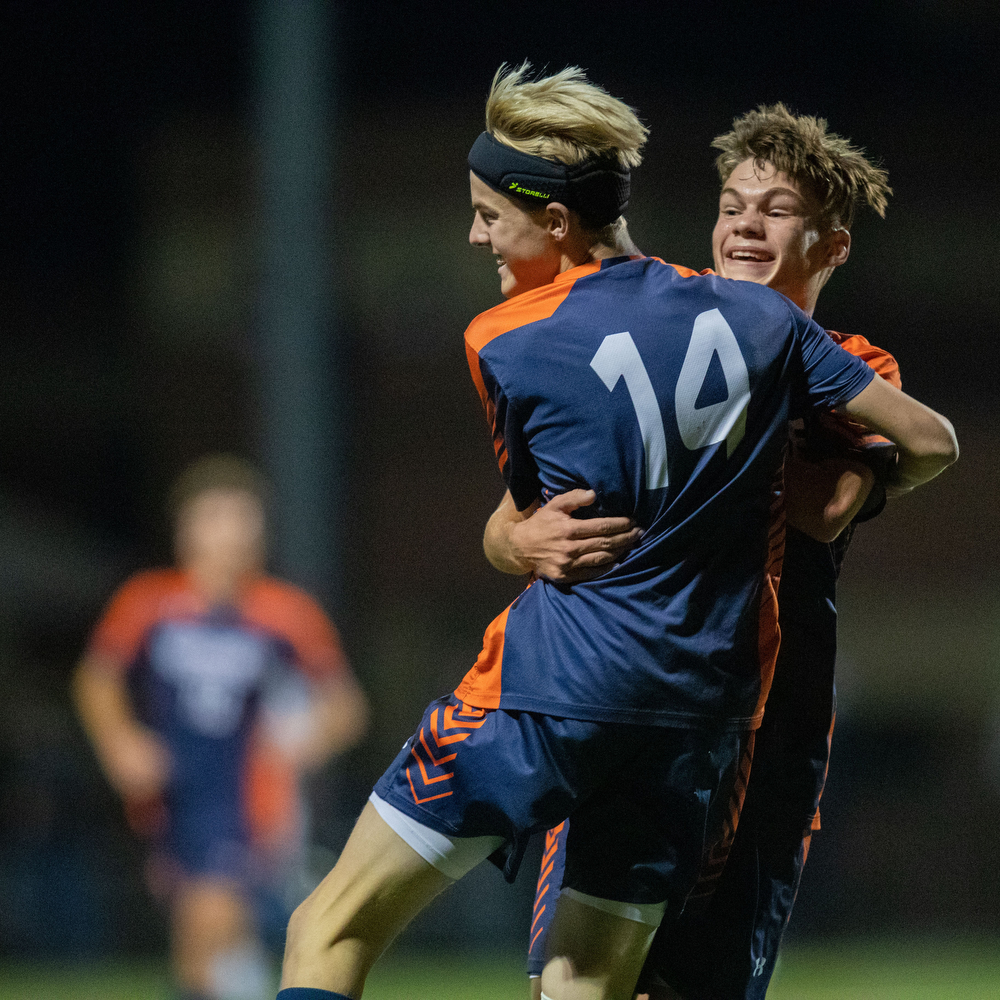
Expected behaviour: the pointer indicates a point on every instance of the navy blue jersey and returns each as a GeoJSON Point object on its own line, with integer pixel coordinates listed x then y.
{"type": "Point", "coordinates": [201, 676]}
{"type": "Point", "coordinates": [668, 393]}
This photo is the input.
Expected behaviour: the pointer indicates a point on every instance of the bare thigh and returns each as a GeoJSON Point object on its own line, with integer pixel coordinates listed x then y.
{"type": "Point", "coordinates": [593, 955]}
{"type": "Point", "coordinates": [376, 888]}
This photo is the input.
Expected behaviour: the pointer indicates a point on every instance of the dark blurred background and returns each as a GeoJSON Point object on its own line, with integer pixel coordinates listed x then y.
{"type": "Point", "coordinates": [152, 310]}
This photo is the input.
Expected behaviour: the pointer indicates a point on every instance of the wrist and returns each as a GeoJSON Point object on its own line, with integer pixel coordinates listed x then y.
{"type": "Point", "coordinates": [515, 551]}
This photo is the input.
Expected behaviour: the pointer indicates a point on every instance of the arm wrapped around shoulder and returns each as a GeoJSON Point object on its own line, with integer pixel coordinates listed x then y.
{"type": "Point", "coordinates": [829, 435]}
{"type": "Point", "coordinates": [925, 441]}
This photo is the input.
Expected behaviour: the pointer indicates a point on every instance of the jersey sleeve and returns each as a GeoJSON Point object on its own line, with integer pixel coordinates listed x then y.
{"type": "Point", "coordinates": [884, 365]}
{"type": "Point", "coordinates": [296, 618]}
{"type": "Point", "coordinates": [880, 361]}
{"type": "Point", "coordinates": [832, 375]}
{"type": "Point", "coordinates": [517, 465]}
{"type": "Point", "coordinates": [829, 434]}
{"type": "Point", "coordinates": [127, 619]}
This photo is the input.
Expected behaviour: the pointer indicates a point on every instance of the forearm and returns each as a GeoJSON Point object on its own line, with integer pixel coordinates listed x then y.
{"type": "Point", "coordinates": [822, 498]}
{"type": "Point", "coordinates": [103, 708]}
{"type": "Point", "coordinates": [339, 718]}
{"type": "Point", "coordinates": [136, 763]}
{"type": "Point", "coordinates": [498, 542]}
{"type": "Point", "coordinates": [925, 440]}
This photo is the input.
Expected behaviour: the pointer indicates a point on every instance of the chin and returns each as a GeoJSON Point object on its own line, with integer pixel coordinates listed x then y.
{"type": "Point", "coordinates": [760, 276]}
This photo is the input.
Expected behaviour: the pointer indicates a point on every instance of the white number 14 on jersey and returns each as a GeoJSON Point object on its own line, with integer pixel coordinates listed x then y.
{"type": "Point", "coordinates": [619, 358]}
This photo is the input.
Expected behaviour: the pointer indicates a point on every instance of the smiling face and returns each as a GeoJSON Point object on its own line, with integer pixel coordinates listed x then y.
{"type": "Point", "coordinates": [221, 530]}
{"type": "Point", "coordinates": [769, 232]}
{"type": "Point", "coordinates": [521, 239]}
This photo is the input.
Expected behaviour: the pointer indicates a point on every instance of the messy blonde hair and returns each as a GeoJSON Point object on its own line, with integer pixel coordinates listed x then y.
{"type": "Point", "coordinates": [562, 117]}
{"type": "Point", "coordinates": [837, 173]}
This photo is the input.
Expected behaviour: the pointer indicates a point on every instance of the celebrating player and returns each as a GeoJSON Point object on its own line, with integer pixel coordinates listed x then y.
{"type": "Point", "coordinates": [206, 690]}
{"type": "Point", "coordinates": [626, 702]}
{"type": "Point", "coordinates": [790, 189]}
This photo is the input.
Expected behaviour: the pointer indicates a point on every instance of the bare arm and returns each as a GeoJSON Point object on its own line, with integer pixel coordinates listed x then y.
{"type": "Point", "coordinates": [550, 542]}
{"type": "Point", "coordinates": [133, 758]}
{"type": "Point", "coordinates": [925, 440]}
{"type": "Point", "coordinates": [338, 718]}
{"type": "Point", "coordinates": [822, 498]}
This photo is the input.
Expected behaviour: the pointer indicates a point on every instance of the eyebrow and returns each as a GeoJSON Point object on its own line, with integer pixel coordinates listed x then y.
{"type": "Point", "coordinates": [768, 193]}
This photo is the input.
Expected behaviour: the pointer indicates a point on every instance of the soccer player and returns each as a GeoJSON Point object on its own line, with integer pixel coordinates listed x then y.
{"type": "Point", "coordinates": [790, 189]}
{"type": "Point", "coordinates": [207, 689]}
{"type": "Point", "coordinates": [627, 702]}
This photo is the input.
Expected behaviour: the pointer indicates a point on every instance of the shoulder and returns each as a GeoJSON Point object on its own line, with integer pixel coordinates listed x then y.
{"type": "Point", "coordinates": [290, 614]}
{"type": "Point", "coordinates": [729, 289]}
{"type": "Point", "coordinates": [149, 587]}
{"type": "Point", "coordinates": [271, 596]}
{"type": "Point", "coordinates": [135, 608]}
{"type": "Point", "coordinates": [529, 307]}
{"type": "Point", "coordinates": [880, 360]}
{"type": "Point", "coordinates": [682, 271]}
{"type": "Point", "coordinates": [285, 609]}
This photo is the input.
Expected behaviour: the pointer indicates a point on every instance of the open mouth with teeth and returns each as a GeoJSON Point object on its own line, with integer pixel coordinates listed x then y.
{"type": "Point", "coordinates": [751, 256]}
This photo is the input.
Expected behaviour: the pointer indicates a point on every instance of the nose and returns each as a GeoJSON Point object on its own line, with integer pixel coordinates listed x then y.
{"type": "Point", "coordinates": [749, 222]}
{"type": "Point", "coordinates": [478, 234]}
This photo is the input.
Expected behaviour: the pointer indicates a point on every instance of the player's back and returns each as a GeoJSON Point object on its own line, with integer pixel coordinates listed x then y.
{"type": "Point", "coordinates": [668, 393]}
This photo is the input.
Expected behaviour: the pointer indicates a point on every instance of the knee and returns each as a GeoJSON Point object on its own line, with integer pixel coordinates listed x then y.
{"type": "Point", "coordinates": [299, 923]}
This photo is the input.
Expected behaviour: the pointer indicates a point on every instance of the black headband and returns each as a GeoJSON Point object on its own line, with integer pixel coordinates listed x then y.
{"type": "Point", "coordinates": [597, 188]}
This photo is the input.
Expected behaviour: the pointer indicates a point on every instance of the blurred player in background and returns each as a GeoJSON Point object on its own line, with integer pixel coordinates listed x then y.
{"type": "Point", "coordinates": [628, 701]}
{"type": "Point", "coordinates": [790, 189]}
{"type": "Point", "coordinates": [207, 690]}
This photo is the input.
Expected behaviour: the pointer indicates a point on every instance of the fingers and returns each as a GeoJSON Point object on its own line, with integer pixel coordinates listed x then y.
{"type": "Point", "coordinates": [615, 544]}
{"type": "Point", "coordinates": [603, 527]}
{"type": "Point", "coordinates": [572, 500]}
{"type": "Point", "coordinates": [589, 566]}
{"type": "Point", "coordinates": [566, 503]}
{"type": "Point", "coordinates": [588, 558]}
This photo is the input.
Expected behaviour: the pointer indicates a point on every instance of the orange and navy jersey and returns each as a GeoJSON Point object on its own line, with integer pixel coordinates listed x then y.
{"type": "Point", "coordinates": [279, 612]}
{"type": "Point", "coordinates": [668, 393]}
{"type": "Point", "coordinates": [200, 676]}
{"type": "Point", "coordinates": [884, 364]}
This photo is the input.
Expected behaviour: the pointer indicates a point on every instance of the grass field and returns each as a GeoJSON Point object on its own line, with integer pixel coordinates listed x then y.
{"type": "Point", "coordinates": [908, 970]}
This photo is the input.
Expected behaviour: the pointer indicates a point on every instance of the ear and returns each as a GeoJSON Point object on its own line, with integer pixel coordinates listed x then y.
{"type": "Point", "coordinates": [838, 247]}
{"type": "Point", "coordinates": [557, 220]}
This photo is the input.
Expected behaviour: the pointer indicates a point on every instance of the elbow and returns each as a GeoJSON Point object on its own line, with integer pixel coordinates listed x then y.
{"type": "Point", "coordinates": [824, 534]}
{"type": "Point", "coordinates": [951, 452]}
{"type": "Point", "coordinates": [942, 446]}
{"type": "Point", "coordinates": [835, 518]}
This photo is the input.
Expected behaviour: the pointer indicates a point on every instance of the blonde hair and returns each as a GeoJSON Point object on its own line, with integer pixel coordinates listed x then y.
{"type": "Point", "coordinates": [562, 117]}
{"type": "Point", "coordinates": [838, 174]}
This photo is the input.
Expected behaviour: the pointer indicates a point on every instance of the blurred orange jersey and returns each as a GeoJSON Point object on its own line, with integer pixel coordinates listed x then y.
{"type": "Point", "coordinates": [203, 677]}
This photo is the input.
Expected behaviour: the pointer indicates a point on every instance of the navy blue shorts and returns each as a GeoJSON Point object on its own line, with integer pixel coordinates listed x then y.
{"type": "Point", "coordinates": [726, 949]}
{"type": "Point", "coordinates": [210, 840]}
{"type": "Point", "coordinates": [646, 801]}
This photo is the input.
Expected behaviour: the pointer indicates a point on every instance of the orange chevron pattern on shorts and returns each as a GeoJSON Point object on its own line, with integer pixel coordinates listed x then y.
{"type": "Point", "coordinates": [715, 858]}
{"type": "Point", "coordinates": [543, 886]}
{"type": "Point", "coordinates": [459, 719]}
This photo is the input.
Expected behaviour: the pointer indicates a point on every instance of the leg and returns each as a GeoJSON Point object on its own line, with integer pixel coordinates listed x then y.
{"type": "Point", "coordinates": [377, 886]}
{"type": "Point", "coordinates": [210, 923]}
{"type": "Point", "coordinates": [593, 955]}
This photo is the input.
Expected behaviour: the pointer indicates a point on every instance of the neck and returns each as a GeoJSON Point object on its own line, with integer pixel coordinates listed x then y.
{"type": "Point", "coordinates": [810, 294]}
{"type": "Point", "coordinates": [614, 241]}
{"type": "Point", "coordinates": [620, 248]}
{"type": "Point", "coordinates": [216, 583]}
